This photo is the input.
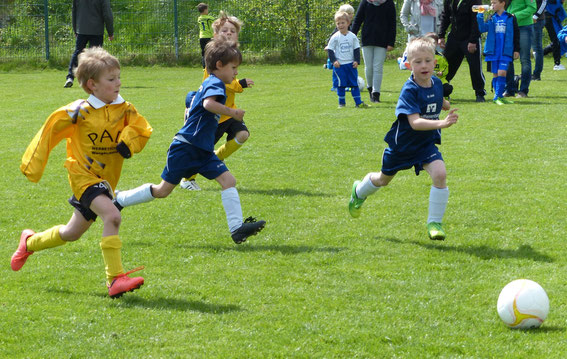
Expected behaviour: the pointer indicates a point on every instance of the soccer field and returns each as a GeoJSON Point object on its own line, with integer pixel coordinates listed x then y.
{"type": "Point", "coordinates": [315, 282]}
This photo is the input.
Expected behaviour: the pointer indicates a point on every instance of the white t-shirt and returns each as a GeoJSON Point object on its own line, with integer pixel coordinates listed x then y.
{"type": "Point", "coordinates": [343, 46]}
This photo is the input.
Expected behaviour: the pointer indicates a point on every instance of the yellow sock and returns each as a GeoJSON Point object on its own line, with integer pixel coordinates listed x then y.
{"type": "Point", "coordinates": [46, 239]}
{"type": "Point", "coordinates": [227, 149]}
{"type": "Point", "coordinates": [191, 178]}
{"type": "Point", "coordinates": [111, 246]}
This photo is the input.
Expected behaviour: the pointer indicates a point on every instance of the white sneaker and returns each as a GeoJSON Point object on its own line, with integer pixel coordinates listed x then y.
{"type": "Point", "coordinates": [68, 83]}
{"type": "Point", "coordinates": [190, 185]}
{"type": "Point", "coordinates": [558, 67]}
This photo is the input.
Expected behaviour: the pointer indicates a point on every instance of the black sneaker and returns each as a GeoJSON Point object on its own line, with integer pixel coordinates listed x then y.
{"type": "Point", "coordinates": [249, 228]}
{"type": "Point", "coordinates": [376, 97]}
{"type": "Point", "coordinates": [480, 98]}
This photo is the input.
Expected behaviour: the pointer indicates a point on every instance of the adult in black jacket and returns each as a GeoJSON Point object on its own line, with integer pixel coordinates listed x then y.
{"type": "Point", "coordinates": [463, 41]}
{"type": "Point", "coordinates": [89, 20]}
{"type": "Point", "coordinates": [378, 36]}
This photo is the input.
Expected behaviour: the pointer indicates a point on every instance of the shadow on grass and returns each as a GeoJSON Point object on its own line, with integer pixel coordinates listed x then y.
{"type": "Point", "coordinates": [283, 249]}
{"type": "Point", "coordinates": [132, 300]}
{"type": "Point", "coordinates": [283, 192]}
{"type": "Point", "coordinates": [483, 252]}
{"type": "Point", "coordinates": [541, 330]}
{"type": "Point", "coordinates": [178, 304]}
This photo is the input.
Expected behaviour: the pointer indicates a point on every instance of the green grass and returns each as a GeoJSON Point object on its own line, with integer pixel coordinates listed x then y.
{"type": "Point", "coordinates": [315, 282]}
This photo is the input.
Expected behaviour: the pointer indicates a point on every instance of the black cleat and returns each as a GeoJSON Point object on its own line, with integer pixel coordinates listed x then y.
{"type": "Point", "coordinates": [249, 228]}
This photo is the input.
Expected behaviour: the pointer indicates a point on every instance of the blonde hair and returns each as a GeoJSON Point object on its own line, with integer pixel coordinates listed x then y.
{"type": "Point", "coordinates": [348, 9]}
{"type": "Point", "coordinates": [221, 50]}
{"type": "Point", "coordinates": [421, 43]}
{"type": "Point", "coordinates": [342, 15]}
{"type": "Point", "coordinates": [223, 18]}
{"type": "Point", "coordinates": [92, 63]}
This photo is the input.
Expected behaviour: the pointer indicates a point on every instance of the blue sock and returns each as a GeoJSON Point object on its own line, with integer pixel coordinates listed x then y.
{"type": "Point", "coordinates": [501, 85]}
{"type": "Point", "coordinates": [341, 93]}
{"type": "Point", "coordinates": [495, 88]}
{"type": "Point", "coordinates": [355, 91]}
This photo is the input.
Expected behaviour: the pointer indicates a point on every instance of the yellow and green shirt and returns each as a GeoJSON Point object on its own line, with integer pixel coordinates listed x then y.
{"type": "Point", "coordinates": [92, 130]}
{"type": "Point", "coordinates": [205, 29]}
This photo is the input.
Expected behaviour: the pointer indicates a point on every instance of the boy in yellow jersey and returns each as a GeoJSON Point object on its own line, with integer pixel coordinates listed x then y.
{"type": "Point", "coordinates": [205, 31]}
{"type": "Point", "coordinates": [236, 131]}
{"type": "Point", "coordinates": [100, 132]}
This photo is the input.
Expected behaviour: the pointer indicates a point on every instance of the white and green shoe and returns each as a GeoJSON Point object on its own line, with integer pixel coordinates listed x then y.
{"type": "Point", "coordinates": [435, 231]}
{"type": "Point", "coordinates": [355, 202]}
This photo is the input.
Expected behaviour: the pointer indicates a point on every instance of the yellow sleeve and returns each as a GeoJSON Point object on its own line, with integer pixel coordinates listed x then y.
{"type": "Point", "coordinates": [59, 125]}
{"type": "Point", "coordinates": [137, 131]}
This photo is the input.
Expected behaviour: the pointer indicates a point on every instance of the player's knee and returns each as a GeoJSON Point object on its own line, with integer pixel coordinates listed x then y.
{"type": "Point", "coordinates": [113, 219]}
{"type": "Point", "coordinates": [439, 179]}
{"type": "Point", "coordinates": [160, 191]}
{"type": "Point", "coordinates": [242, 136]}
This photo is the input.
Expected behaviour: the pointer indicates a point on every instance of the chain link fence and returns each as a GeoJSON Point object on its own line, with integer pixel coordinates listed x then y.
{"type": "Point", "coordinates": [166, 31]}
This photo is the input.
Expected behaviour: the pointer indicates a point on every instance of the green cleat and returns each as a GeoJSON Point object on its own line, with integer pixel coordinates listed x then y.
{"type": "Point", "coordinates": [363, 105]}
{"type": "Point", "coordinates": [499, 101]}
{"type": "Point", "coordinates": [505, 101]}
{"type": "Point", "coordinates": [435, 231]}
{"type": "Point", "coordinates": [355, 202]}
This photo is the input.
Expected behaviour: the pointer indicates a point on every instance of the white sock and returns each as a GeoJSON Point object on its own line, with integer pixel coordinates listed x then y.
{"type": "Point", "coordinates": [134, 196]}
{"type": "Point", "coordinates": [438, 199]}
{"type": "Point", "coordinates": [366, 187]}
{"type": "Point", "coordinates": [232, 208]}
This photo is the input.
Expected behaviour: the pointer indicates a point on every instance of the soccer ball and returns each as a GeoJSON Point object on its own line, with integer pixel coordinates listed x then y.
{"type": "Point", "coordinates": [361, 84]}
{"type": "Point", "coordinates": [523, 304]}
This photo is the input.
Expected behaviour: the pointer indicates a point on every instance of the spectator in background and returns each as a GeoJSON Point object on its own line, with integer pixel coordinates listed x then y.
{"type": "Point", "coordinates": [554, 16]}
{"type": "Point", "coordinates": [378, 36]}
{"type": "Point", "coordinates": [420, 17]}
{"type": "Point", "coordinates": [89, 19]}
{"type": "Point", "coordinates": [524, 12]}
{"type": "Point", "coordinates": [537, 45]}
{"type": "Point", "coordinates": [463, 41]}
{"type": "Point", "coordinates": [205, 28]}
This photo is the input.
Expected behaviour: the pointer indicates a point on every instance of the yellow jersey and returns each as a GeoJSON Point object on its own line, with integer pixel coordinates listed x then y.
{"type": "Point", "coordinates": [231, 90]}
{"type": "Point", "coordinates": [92, 130]}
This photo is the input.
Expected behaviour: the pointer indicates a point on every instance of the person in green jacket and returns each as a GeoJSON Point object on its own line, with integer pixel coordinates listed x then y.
{"type": "Point", "coordinates": [524, 11]}
{"type": "Point", "coordinates": [205, 30]}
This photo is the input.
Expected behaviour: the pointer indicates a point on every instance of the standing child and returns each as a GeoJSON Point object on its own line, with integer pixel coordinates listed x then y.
{"type": "Point", "coordinates": [344, 53]}
{"type": "Point", "coordinates": [329, 65]}
{"type": "Point", "coordinates": [192, 149]}
{"type": "Point", "coordinates": [205, 31]}
{"type": "Point", "coordinates": [441, 66]}
{"type": "Point", "coordinates": [236, 131]}
{"type": "Point", "coordinates": [413, 137]}
{"type": "Point", "coordinates": [100, 133]}
{"type": "Point", "coordinates": [502, 45]}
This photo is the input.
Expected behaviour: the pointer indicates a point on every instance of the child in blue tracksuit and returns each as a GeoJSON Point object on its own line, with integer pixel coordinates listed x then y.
{"type": "Point", "coordinates": [502, 45]}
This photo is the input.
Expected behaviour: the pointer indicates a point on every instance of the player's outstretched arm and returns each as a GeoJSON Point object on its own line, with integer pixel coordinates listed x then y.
{"type": "Point", "coordinates": [421, 124]}
{"type": "Point", "coordinates": [210, 104]}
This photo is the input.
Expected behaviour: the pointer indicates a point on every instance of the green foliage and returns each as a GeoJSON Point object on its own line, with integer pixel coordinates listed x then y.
{"type": "Point", "coordinates": [315, 283]}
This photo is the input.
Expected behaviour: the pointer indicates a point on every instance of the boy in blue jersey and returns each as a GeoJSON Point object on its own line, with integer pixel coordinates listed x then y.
{"type": "Point", "coordinates": [413, 137]}
{"type": "Point", "coordinates": [192, 149]}
{"type": "Point", "coordinates": [502, 45]}
{"type": "Point", "coordinates": [344, 53]}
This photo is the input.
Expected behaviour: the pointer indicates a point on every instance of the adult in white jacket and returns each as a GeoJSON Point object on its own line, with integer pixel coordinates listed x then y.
{"type": "Point", "coordinates": [419, 17]}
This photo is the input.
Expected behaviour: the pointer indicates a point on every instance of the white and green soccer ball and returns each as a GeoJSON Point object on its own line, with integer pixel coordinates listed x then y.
{"type": "Point", "coordinates": [523, 304]}
{"type": "Point", "coordinates": [361, 84]}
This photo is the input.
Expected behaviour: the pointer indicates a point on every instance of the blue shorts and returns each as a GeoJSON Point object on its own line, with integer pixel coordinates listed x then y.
{"type": "Point", "coordinates": [184, 160]}
{"type": "Point", "coordinates": [393, 162]}
{"type": "Point", "coordinates": [498, 65]}
{"type": "Point", "coordinates": [347, 75]}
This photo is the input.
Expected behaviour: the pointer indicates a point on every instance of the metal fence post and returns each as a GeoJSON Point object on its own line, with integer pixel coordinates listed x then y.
{"type": "Point", "coordinates": [176, 29]}
{"type": "Point", "coordinates": [307, 33]}
{"type": "Point", "coordinates": [46, 17]}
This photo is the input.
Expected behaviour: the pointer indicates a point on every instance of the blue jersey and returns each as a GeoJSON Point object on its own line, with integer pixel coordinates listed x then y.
{"type": "Point", "coordinates": [200, 125]}
{"type": "Point", "coordinates": [499, 22]}
{"type": "Point", "coordinates": [425, 101]}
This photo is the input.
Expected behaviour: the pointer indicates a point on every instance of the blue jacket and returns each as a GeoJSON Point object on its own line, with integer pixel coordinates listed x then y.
{"type": "Point", "coordinates": [511, 39]}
